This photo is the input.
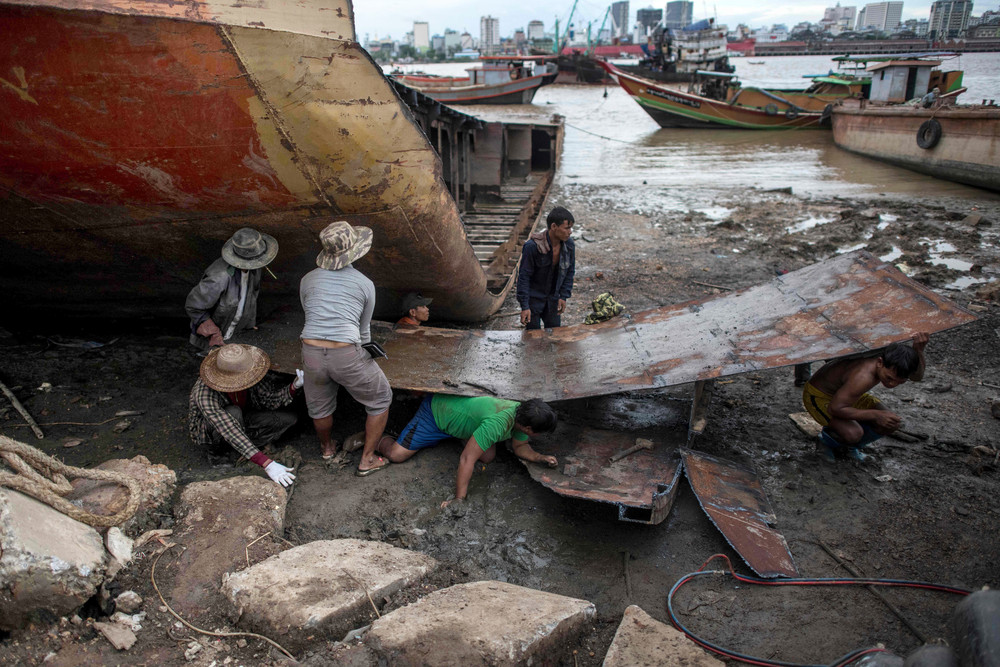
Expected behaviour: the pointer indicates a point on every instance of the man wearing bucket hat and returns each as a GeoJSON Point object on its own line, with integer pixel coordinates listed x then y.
{"type": "Point", "coordinates": [224, 301]}
{"type": "Point", "coordinates": [235, 401]}
{"type": "Point", "coordinates": [338, 301]}
{"type": "Point", "coordinates": [415, 310]}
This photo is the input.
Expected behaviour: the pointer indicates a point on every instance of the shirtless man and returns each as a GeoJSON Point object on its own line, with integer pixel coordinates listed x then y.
{"type": "Point", "coordinates": [837, 397]}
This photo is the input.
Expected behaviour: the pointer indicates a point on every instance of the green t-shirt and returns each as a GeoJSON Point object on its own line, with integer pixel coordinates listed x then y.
{"type": "Point", "coordinates": [490, 420]}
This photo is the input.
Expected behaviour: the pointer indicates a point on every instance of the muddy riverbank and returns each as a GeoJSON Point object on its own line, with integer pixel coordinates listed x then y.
{"type": "Point", "coordinates": [922, 511]}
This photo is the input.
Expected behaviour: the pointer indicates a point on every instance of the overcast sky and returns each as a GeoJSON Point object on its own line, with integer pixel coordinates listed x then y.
{"type": "Point", "coordinates": [395, 18]}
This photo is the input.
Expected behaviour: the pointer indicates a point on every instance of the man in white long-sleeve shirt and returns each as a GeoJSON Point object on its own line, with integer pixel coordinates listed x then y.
{"type": "Point", "coordinates": [338, 301]}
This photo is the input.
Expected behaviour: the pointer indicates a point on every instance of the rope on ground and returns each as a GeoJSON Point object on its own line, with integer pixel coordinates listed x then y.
{"type": "Point", "coordinates": [152, 579]}
{"type": "Point", "coordinates": [599, 136]}
{"type": "Point", "coordinates": [45, 478]}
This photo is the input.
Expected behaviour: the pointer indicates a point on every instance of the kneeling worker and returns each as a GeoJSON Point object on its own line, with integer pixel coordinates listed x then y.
{"type": "Point", "coordinates": [234, 402]}
{"type": "Point", "coordinates": [415, 310]}
{"type": "Point", "coordinates": [481, 421]}
{"type": "Point", "coordinates": [837, 397]}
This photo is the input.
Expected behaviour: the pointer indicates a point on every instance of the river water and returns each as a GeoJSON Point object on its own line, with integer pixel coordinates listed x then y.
{"type": "Point", "coordinates": [615, 149]}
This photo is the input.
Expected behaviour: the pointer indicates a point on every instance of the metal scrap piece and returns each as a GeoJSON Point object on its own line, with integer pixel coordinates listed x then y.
{"type": "Point", "coordinates": [642, 485]}
{"type": "Point", "coordinates": [734, 501]}
{"type": "Point", "coordinates": [845, 305]}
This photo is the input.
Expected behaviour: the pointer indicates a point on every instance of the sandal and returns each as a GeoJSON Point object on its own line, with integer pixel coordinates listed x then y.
{"type": "Point", "coordinates": [364, 473]}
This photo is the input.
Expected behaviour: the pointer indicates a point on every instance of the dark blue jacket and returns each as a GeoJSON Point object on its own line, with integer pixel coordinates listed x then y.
{"type": "Point", "coordinates": [534, 277]}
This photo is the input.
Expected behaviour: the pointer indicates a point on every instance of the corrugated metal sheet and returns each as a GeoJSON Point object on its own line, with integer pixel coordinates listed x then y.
{"type": "Point", "coordinates": [735, 502]}
{"type": "Point", "coordinates": [845, 305]}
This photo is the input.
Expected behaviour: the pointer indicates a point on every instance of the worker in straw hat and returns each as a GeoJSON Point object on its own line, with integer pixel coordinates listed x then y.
{"type": "Point", "coordinates": [338, 301]}
{"type": "Point", "coordinates": [224, 302]}
{"type": "Point", "coordinates": [236, 401]}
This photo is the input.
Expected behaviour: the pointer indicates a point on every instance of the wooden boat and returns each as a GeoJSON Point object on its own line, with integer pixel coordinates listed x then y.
{"type": "Point", "coordinates": [935, 135]}
{"type": "Point", "coordinates": [715, 99]}
{"type": "Point", "coordinates": [675, 56]}
{"type": "Point", "coordinates": [138, 136]}
{"type": "Point", "coordinates": [499, 80]}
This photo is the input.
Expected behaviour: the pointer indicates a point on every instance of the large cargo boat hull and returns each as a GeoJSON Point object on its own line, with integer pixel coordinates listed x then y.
{"type": "Point", "coordinates": [134, 146]}
{"type": "Point", "coordinates": [520, 91]}
{"type": "Point", "coordinates": [967, 151]}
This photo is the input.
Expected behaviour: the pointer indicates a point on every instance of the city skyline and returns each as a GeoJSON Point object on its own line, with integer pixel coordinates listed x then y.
{"type": "Point", "coordinates": [395, 18]}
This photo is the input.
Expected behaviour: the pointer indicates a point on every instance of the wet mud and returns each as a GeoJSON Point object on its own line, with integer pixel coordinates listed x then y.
{"type": "Point", "coordinates": [924, 510]}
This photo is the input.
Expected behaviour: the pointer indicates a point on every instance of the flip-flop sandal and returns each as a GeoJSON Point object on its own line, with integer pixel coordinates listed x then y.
{"type": "Point", "coordinates": [365, 473]}
{"type": "Point", "coordinates": [327, 457]}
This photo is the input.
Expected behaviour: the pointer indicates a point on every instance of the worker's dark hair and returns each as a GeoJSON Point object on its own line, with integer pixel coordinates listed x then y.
{"type": "Point", "coordinates": [558, 215]}
{"type": "Point", "coordinates": [903, 359]}
{"type": "Point", "coordinates": [536, 415]}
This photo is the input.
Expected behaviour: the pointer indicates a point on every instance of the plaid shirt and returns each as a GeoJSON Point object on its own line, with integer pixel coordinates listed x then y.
{"type": "Point", "coordinates": [207, 411]}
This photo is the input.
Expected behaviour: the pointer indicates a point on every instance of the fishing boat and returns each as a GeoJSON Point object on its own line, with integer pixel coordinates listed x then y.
{"type": "Point", "coordinates": [138, 137]}
{"type": "Point", "coordinates": [675, 56]}
{"type": "Point", "coordinates": [716, 99]}
{"type": "Point", "coordinates": [498, 80]}
{"type": "Point", "coordinates": [905, 122]}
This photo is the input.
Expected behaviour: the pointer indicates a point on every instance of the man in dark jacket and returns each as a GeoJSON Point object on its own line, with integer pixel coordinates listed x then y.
{"type": "Point", "coordinates": [545, 278]}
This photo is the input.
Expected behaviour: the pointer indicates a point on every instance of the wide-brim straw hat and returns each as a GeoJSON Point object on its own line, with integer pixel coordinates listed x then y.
{"type": "Point", "coordinates": [343, 244]}
{"type": "Point", "coordinates": [249, 249]}
{"type": "Point", "coordinates": [234, 367]}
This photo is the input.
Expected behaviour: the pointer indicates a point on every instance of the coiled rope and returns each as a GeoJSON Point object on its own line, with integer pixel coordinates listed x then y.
{"type": "Point", "coordinates": [46, 479]}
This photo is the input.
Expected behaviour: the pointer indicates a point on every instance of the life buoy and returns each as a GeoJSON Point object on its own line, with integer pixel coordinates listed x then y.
{"type": "Point", "coordinates": [791, 113]}
{"type": "Point", "coordinates": [771, 109]}
{"type": "Point", "coordinates": [929, 134]}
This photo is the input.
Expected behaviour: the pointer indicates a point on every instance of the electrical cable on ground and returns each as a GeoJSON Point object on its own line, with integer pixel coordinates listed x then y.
{"type": "Point", "coordinates": [840, 662]}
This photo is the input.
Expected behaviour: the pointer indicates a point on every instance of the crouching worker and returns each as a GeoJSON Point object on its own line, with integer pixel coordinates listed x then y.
{"type": "Point", "coordinates": [481, 422]}
{"type": "Point", "coordinates": [837, 397]}
{"type": "Point", "coordinates": [234, 401]}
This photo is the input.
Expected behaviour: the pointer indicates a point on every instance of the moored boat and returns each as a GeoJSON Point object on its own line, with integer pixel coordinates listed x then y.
{"type": "Point", "coordinates": [906, 123]}
{"type": "Point", "coordinates": [716, 99]}
{"type": "Point", "coordinates": [139, 136]}
{"type": "Point", "coordinates": [498, 80]}
{"type": "Point", "coordinates": [675, 56]}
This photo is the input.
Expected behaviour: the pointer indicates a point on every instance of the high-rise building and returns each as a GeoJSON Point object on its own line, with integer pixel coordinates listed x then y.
{"type": "Point", "coordinates": [489, 35]}
{"type": "Point", "coordinates": [452, 41]}
{"type": "Point", "coordinates": [838, 19]}
{"type": "Point", "coordinates": [619, 19]}
{"type": "Point", "coordinates": [648, 18]}
{"type": "Point", "coordinates": [421, 36]}
{"type": "Point", "coordinates": [679, 14]}
{"type": "Point", "coordinates": [883, 16]}
{"type": "Point", "coordinates": [536, 30]}
{"type": "Point", "coordinates": [949, 18]}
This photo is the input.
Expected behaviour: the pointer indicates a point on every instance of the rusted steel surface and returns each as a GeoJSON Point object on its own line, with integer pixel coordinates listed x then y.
{"type": "Point", "coordinates": [735, 502]}
{"type": "Point", "coordinates": [845, 305]}
{"type": "Point", "coordinates": [121, 180]}
{"type": "Point", "coordinates": [642, 485]}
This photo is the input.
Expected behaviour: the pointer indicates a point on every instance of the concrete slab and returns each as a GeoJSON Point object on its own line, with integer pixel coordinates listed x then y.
{"type": "Point", "coordinates": [157, 481]}
{"type": "Point", "coordinates": [481, 623]}
{"type": "Point", "coordinates": [321, 589]}
{"type": "Point", "coordinates": [643, 641]}
{"type": "Point", "coordinates": [50, 564]}
{"type": "Point", "coordinates": [215, 523]}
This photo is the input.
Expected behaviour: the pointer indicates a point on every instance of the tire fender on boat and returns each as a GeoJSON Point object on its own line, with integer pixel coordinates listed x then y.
{"type": "Point", "coordinates": [791, 113]}
{"type": "Point", "coordinates": [771, 109]}
{"type": "Point", "coordinates": [827, 114]}
{"type": "Point", "coordinates": [929, 134]}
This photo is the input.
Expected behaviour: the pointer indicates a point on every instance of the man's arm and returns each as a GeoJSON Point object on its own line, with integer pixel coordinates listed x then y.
{"type": "Point", "coordinates": [204, 296]}
{"type": "Point", "coordinates": [209, 402]}
{"type": "Point", "coordinates": [566, 290]}
{"type": "Point", "coordinates": [920, 341]}
{"type": "Point", "coordinates": [365, 325]}
{"type": "Point", "coordinates": [842, 403]}
{"type": "Point", "coordinates": [525, 271]}
{"type": "Point", "coordinates": [466, 466]}
{"type": "Point", "coordinates": [523, 451]}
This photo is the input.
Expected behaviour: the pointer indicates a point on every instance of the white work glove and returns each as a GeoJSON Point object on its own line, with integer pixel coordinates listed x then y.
{"type": "Point", "coordinates": [300, 379]}
{"type": "Point", "coordinates": [279, 473]}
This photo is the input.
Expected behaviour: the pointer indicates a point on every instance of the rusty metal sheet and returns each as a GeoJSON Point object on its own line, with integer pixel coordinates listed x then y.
{"type": "Point", "coordinates": [848, 304]}
{"type": "Point", "coordinates": [735, 502]}
{"type": "Point", "coordinates": [642, 485]}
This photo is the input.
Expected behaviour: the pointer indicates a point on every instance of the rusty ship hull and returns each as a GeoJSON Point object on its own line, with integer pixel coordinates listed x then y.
{"type": "Point", "coordinates": [138, 136]}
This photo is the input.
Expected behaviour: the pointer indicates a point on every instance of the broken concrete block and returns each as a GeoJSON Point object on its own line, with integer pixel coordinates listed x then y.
{"type": "Point", "coordinates": [215, 522]}
{"type": "Point", "coordinates": [931, 656]}
{"type": "Point", "coordinates": [480, 623]}
{"type": "Point", "coordinates": [643, 640]}
{"type": "Point", "coordinates": [50, 564]}
{"type": "Point", "coordinates": [157, 483]}
{"type": "Point", "coordinates": [805, 423]}
{"type": "Point", "coordinates": [974, 629]}
{"type": "Point", "coordinates": [120, 637]}
{"type": "Point", "coordinates": [321, 588]}
{"type": "Point", "coordinates": [118, 545]}
{"type": "Point", "coordinates": [128, 602]}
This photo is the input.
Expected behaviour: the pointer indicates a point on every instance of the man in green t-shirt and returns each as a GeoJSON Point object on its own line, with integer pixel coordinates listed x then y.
{"type": "Point", "coordinates": [481, 421]}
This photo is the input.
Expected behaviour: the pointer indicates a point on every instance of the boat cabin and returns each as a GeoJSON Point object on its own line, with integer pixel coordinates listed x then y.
{"type": "Point", "coordinates": [899, 78]}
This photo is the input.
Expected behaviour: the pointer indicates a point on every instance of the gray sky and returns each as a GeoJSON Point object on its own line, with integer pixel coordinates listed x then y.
{"type": "Point", "coordinates": [395, 18]}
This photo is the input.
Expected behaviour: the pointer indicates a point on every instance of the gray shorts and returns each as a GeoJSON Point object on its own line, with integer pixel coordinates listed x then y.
{"type": "Point", "coordinates": [326, 369]}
